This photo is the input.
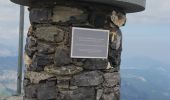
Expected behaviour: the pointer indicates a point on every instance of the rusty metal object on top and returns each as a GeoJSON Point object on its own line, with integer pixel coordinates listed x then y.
{"type": "Point", "coordinates": [129, 6]}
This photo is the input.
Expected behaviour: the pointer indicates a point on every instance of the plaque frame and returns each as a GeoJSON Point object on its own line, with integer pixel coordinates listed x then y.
{"type": "Point", "coordinates": [89, 29]}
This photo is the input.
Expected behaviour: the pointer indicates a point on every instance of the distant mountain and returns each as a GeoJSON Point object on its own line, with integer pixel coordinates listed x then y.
{"type": "Point", "coordinates": [8, 75]}
{"type": "Point", "coordinates": [4, 91]}
{"type": "Point", "coordinates": [145, 79]}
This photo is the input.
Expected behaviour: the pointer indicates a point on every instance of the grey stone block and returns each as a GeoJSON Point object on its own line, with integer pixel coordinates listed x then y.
{"type": "Point", "coordinates": [62, 57]}
{"type": "Point", "coordinates": [31, 91]}
{"type": "Point", "coordinates": [36, 77]}
{"type": "Point", "coordinates": [63, 83]}
{"type": "Point", "coordinates": [111, 79]}
{"type": "Point", "coordinates": [83, 93]}
{"type": "Point", "coordinates": [95, 64]}
{"type": "Point", "coordinates": [63, 70]}
{"type": "Point", "coordinates": [97, 19]}
{"type": "Point", "coordinates": [40, 92]}
{"type": "Point", "coordinates": [49, 34]}
{"type": "Point", "coordinates": [38, 15]}
{"type": "Point", "coordinates": [68, 14]}
{"type": "Point", "coordinates": [99, 94]}
{"type": "Point", "coordinates": [41, 60]}
{"type": "Point", "coordinates": [110, 96]}
{"type": "Point", "coordinates": [92, 78]}
{"type": "Point", "coordinates": [116, 40]}
{"type": "Point", "coordinates": [46, 93]}
{"type": "Point", "coordinates": [44, 48]}
{"type": "Point", "coordinates": [30, 47]}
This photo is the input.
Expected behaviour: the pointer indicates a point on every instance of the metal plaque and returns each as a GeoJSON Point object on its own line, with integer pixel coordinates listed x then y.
{"type": "Point", "coordinates": [89, 43]}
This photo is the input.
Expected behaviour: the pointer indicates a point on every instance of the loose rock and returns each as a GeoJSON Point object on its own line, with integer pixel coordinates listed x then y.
{"type": "Point", "coordinates": [118, 18]}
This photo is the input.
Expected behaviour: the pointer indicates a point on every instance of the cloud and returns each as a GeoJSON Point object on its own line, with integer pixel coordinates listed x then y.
{"type": "Point", "coordinates": [142, 79]}
{"type": "Point", "coordinates": [5, 53]}
{"type": "Point", "coordinates": [8, 33]}
{"type": "Point", "coordinates": [8, 79]}
{"type": "Point", "coordinates": [8, 75]}
{"type": "Point", "coordinates": [157, 12]}
{"type": "Point", "coordinates": [130, 76]}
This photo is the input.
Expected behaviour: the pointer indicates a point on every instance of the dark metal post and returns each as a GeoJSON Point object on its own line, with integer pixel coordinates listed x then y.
{"type": "Point", "coordinates": [20, 50]}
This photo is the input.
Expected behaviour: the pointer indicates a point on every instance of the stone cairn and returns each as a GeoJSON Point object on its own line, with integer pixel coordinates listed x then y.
{"type": "Point", "coordinates": [51, 74]}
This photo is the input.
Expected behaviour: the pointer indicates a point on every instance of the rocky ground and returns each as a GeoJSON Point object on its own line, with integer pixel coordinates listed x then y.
{"type": "Point", "coordinates": [12, 98]}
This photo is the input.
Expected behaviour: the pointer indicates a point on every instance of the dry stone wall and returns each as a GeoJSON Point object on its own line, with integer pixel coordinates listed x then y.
{"type": "Point", "coordinates": [51, 74]}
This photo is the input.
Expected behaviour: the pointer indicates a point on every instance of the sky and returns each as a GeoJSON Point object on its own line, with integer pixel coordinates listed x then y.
{"type": "Point", "coordinates": [146, 34]}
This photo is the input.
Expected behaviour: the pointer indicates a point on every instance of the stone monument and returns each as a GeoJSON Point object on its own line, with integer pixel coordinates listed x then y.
{"type": "Point", "coordinates": [51, 73]}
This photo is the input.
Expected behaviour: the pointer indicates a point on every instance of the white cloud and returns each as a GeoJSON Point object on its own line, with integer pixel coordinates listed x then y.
{"type": "Point", "coordinates": [9, 77]}
{"type": "Point", "coordinates": [130, 76]}
{"type": "Point", "coordinates": [142, 79]}
{"type": "Point", "coordinates": [8, 33]}
{"type": "Point", "coordinates": [5, 52]}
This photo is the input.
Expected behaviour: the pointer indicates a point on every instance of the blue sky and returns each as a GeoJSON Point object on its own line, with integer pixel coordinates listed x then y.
{"type": "Point", "coordinates": [146, 34]}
